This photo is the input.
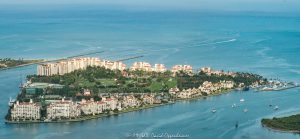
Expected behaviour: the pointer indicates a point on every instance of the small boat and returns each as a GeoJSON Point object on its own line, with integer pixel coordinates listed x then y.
{"type": "Point", "coordinates": [276, 108]}
{"type": "Point", "coordinates": [245, 110]}
{"type": "Point", "coordinates": [213, 110]}
{"type": "Point", "coordinates": [233, 105]}
{"type": "Point", "coordinates": [236, 124]}
{"type": "Point", "coordinates": [270, 105]}
{"type": "Point", "coordinates": [246, 88]}
{"type": "Point", "coordinates": [242, 100]}
{"type": "Point", "coordinates": [11, 102]}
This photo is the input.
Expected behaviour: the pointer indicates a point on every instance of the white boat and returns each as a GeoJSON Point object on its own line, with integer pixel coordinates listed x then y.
{"type": "Point", "coordinates": [276, 108]}
{"type": "Point", "coordinates": [213, 110]}
{"type": "Point", "coordinates": [245, 110]}
{"type": "Point", "coordinates": [233, 105]}
{"type": "Point", "coordinates": [242, 100]}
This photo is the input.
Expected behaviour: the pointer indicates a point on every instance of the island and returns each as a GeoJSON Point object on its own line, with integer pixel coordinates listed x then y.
{"type": "Point", "coordinates": [6, 63]}
{"type": "Point", "coordinates": [85, 88]}
{"type": "Point", "coordinates": [284, 124]}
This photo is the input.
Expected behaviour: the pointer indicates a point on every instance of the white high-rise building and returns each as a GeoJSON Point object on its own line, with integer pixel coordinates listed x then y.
{"type": "Point", "coordinates": [144, 66]}
{"type": "Point", "coordinates": [67, 66]}
{"type": "Point", "coordinates": [184, 68]}
{"type": "Point", "coordinates": [159, 68]}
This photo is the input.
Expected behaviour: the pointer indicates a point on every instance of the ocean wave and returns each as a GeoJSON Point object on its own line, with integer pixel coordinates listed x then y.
{"type": "Point", "coordinates": [270, 61]}
{"type": "Point", "coordinates": [261, 40]}
{"type": "Point", "coordinates": [8, 36]}
{"type": "Point", "coordinates": [51, 135]}
{"type": "Point", "coordinates": [231, 40]}
{"type": "Point", "coordinates": [294, 71]}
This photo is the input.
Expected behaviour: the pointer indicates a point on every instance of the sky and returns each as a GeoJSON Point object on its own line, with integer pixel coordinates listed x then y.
{"type": "Point", "coordinates": [229, 5]}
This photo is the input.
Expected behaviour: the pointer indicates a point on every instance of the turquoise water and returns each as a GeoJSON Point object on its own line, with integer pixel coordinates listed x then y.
{"type": "Point", "coordinates": [266, 44]}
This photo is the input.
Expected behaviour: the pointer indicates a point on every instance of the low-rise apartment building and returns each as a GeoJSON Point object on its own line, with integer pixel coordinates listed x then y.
{"type": "Point", "coordinates": [25, 111]}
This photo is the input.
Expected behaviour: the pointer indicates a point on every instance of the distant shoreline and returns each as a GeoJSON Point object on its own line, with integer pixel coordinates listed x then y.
{"type": "Point", "coordinates": [23, 65]}
{"type": "Point", "coordinates": [283, 124]}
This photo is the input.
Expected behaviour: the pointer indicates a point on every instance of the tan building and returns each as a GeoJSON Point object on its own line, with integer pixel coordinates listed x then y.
{"type": "Point", "coordinates": [189, 93]}
{"type": "Point", "coordinates": [66, 66]}
{"type": "Point", "coordinates": [130, 101]}
{"type": "Point", "coordinates": [144, 66]}
{"type": "Point", "coordinates": [148, 99]}
{"type": "Point", "coordinates": [113, 65]}
{"type": "Point", "coordinates": [111, 103]}
{"type": "Point", "coordinates": [89, 107]}
{"type": "Point", "coordinates": [159, 68]}
{"type": "Point", "coordinates": [184, 68]}
{"type": "Point", "coordinates": [206, 69]}
{"type": "Point", "coordinates": [25, 111]}
{"type": "Point", "coordinates": [210, 71]}
{"type": "Point", "coordinates": [227, 84]}
{"type": "Point", "coordinates": [173, 91]}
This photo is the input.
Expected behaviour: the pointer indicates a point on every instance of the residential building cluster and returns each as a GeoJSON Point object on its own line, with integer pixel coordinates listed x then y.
{"type": "Point", "coordinates": [210, 71]}
{"type": "Point", "coordinates": [68, 109]}
{"type": "Point", "coordinates": [184, 68]}
{"type": "Point", "coordinates": [145, 66]}
{"type": "Point", "coordinates": [205, 89]}
{"type": "Point", "coordinates": [67, 66]}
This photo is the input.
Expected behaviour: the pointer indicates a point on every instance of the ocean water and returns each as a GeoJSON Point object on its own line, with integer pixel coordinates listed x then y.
{"type": "Point", "coordinates": [267, 44]}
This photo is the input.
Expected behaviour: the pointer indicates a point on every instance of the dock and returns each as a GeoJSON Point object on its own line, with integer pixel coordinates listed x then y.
{"type": "Point", "coordinates": [280, 89]}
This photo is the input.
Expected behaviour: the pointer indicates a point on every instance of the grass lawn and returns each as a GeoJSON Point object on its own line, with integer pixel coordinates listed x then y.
{"type": "Point", "coordinates": [107, 82]}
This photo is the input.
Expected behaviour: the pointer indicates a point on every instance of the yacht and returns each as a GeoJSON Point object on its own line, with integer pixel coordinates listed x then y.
{"type": "Point", "coordinates": [213, 110]}
{"type": "Point", "coordinates": [242, 100]}
{"type": "Point", "coordinates": [245, 110]}
{"type": "Point", "coordinates": [276, 108]}
{"type": "Point", "coordinates": [233, 105]}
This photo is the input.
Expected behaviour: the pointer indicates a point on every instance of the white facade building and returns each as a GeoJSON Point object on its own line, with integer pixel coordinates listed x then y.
{"type": "Point", "coordinates": [63, 109]}
{"type": "Point", "coordinates": [184, 68]}
{"type": "Point", "coordinates": [144, 66]}
{"type": "Point", "coordinates": [25, 111]}
{"type": "Point", "coordinates": [159, 68]}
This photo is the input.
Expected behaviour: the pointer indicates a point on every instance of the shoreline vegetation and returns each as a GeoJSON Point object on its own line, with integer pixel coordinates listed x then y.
{"type": "Point", "coordinates": [290, 124]}
{"type": "Point", "coordinates": [8, 63]}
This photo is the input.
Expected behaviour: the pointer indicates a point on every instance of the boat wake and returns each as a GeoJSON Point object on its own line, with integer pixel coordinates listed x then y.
{"type": "Point", "coordinates": [167, 121]}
